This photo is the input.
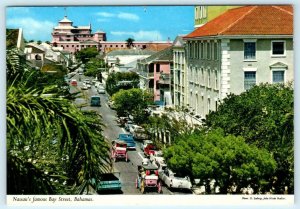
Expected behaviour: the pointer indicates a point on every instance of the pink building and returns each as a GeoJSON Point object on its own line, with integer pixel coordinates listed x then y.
{"type": "Point", "coordinates": [154, 74]}
{"type": "Point", "coordinates": [74, 38]}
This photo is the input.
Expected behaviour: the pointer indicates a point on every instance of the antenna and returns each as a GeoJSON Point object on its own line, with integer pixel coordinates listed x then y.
{"type": "Point", "coordinates": [65, 8]}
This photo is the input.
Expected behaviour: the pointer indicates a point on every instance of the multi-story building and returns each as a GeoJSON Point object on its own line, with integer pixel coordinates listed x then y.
{"type": "Point", "coordinates": [154, 74]}
{"type": "Point", "coordinates": [241, 48]}
{"type": "Point", "coordinates": [179, 74]}
{"type": "Point", "coordinates": [204, 14]}
{"type": "Point", "coordinates": [74, 38]}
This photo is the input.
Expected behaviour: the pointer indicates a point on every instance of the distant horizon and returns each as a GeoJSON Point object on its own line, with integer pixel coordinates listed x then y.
{"type": "Point", "coordinates": [142, 23]}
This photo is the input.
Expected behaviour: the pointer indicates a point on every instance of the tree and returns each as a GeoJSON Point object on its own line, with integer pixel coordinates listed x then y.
{"type": "Point", "coordinates": [114, 81]}
{"type": "Point", "coordinates": [227, 159]}
{"type": "Point", "coordinates": [132, 102]}
{"type": "Point", "coordinates": [39, 42]}
{"type": "Point", "coordinates": [129, 42]}
{"type": "Point", "coordinates": [264, 117]}
{"type": "Point", "coordinates": [52, 147]}
{"type": "Point", "coordinates": [95, 67]}
{"type": "Point", "coordinates": [86, 54]}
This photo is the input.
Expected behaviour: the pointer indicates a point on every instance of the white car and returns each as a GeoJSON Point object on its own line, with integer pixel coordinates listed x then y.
{"type": "Point", "coordinates": [174, 181]}
{"type": "Point", "coordinates": [84, 86]}
{"type": "Point", "coordinates": [158, 160]}
{"type": "Point", "coordinates": [101, 90]}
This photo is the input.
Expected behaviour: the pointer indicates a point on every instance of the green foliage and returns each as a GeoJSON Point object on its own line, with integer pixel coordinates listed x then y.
{"type": "Point", "coordinates": [129, 42]}
{"type": "Point", "coordinates": [227, 159]}
{"type": "Point", "coordinates": [94, 67]}
{"type": "Point", "coordinates": [52, 147]}
{"type": "Point", "coordinates": [264, 117]}
{"type": "Point", "coordinates": [132, 102]}
{"type": "Point", "coordinates": [86, 54]}
{"type": "Point", "coordinates": [113, 80]}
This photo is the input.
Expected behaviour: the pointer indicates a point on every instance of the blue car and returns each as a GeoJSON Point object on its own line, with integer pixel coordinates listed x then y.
{"type": "Point", "coordinates": [128, 138]}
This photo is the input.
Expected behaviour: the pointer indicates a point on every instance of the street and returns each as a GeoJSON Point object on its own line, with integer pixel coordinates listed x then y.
{"type": "Point", "coordinates": [125, 171]}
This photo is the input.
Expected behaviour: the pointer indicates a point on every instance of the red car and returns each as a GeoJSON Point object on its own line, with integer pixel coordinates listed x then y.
{"type": "Point", "coordinates": [149, 149]}
{"type": "Point", "coordinates": [73, 82]}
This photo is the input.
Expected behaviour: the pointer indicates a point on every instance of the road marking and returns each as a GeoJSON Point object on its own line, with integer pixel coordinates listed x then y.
{"type": "Point", "coordinates": [140, 155]}
{"type": "Point", "coordinates": [106, 105]}
{"type": "Point", "coordinates": [124, 130]}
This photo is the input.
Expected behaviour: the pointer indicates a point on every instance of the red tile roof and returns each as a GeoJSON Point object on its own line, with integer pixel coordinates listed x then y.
{"type": "Point", "coordinates": [249, 20]}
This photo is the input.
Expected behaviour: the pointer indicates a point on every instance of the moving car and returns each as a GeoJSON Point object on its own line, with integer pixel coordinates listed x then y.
{"type": "Point", "coordinates": [128, 139]}
{"type": "Point", "coordinates": [147, 178]}
{"type": "Point", "coordinates": [172, 180]}
{"type": "Point", "coordinates": [95, 101]}
{"type": "Point", "coordinates": [119, 150]}
{"type": "Point", "coordinates": [73, 82]}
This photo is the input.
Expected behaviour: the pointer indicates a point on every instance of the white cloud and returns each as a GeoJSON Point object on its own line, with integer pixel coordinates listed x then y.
{"type": "Point", "coordinates": [33, 29]}
{"type": "Point", "coordinates": [102, 20]}
{"type": "Point", "coordinates": [120, 15]}
{"type": "Point", "coordinates": [140, 35]}
{"type": "Point", "coordinates": [128, 16]}
{"type": "Point", "coordinates": [105, 14]}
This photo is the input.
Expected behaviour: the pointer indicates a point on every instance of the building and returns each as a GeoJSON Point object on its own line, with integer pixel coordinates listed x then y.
{"type": "Point", "coordinates": [179, 74]}
{"type": "Point", "coordinates": [241, 48]}
{"type": "Point", "coordinates": [15, 45]}
{"type": "Point", "coordinates": [74, 38]}
{"type": "Point", "coordinates": [154, 74]}
{"type": "Point", "coordinates": [124, 59]}
{"type": "Point", "coordinates": [204, 14]}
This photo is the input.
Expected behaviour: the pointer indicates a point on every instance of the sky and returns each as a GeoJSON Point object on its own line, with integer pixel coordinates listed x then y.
{"type": "Point", "coordinates": [142, 23]}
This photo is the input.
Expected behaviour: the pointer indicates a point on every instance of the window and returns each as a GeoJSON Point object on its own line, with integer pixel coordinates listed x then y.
{"type": "Point", "coordinates": [208, 105]}
{"type": "Point", "coordinates": [278, 48]}
{"type": "Point", "coordinates": [278, 76]}
{"type": "Point", "coordinates": [202, 51]}
{"type": "Point", "coordinates": [216, 80]}
{"type": "Point", "coordinates": [216, 51]}
{"type": "Point", "coordinates": [157, 67]}
{"type": "Point", "coordinates": [249, 80]}
{"type": "Point", "coordinates": [190, 50]}
{"type": "Point", "coordinates": [202, 76]}
{"type": "Point", "coordinates": [208, 51]}
{"type": "Point", "coordinates": [249, 50]}
{"type": "Point", "coordinates": [208, 78]}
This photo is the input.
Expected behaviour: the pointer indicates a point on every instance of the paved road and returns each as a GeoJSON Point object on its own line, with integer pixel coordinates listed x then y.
{"type": "Point", "coordinates": [127, 170]}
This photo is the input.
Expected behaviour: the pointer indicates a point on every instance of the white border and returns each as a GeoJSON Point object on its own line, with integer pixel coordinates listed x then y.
{"type": "Point", "coordinates": [215, 199]}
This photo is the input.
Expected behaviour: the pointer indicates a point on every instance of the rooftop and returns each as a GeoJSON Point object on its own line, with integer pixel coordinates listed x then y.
{"type": "Point", "coordinates": [249, 20]}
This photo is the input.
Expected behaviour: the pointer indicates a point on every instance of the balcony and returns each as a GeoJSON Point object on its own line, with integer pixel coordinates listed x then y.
{"type": "Point", "coordinates": [164, 79]}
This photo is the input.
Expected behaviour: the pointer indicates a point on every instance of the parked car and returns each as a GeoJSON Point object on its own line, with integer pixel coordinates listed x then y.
{"type": "Point", "coordinates": [122, 120]}
{"type": "Point", "coordinates": [95, 101]}
{"type": "Point", "coordinates": [172, 180]}
{"type": "Point", "coordinates": [128, 139]}
{"type": "Point", "coordinates": [138, 132]}
{"type": "Point", "coordinates": [149, 149]}
{"type": "Point", "coordinates": [156, 155]}
{"type": "Point", "coordinates": [73, 82]}
{"type": "Point", "coordinates": [108, 182]}
{"type": "Point", "coordinates": [84, 87]}
{"type": "Point", "coordinates": [157, 159]}
{"type": "Point", "coordinates": [144, 144]}
{"type": "Point", "coordinates": [101, 90]}
{"type": "Point", "coordinates": [128, 124]}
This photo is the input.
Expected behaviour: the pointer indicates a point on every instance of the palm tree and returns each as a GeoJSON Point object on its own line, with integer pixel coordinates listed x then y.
{"type": "Point", "coordinates": [129, 42]}
{"type": "Point", "coordinates": [52, 146]}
